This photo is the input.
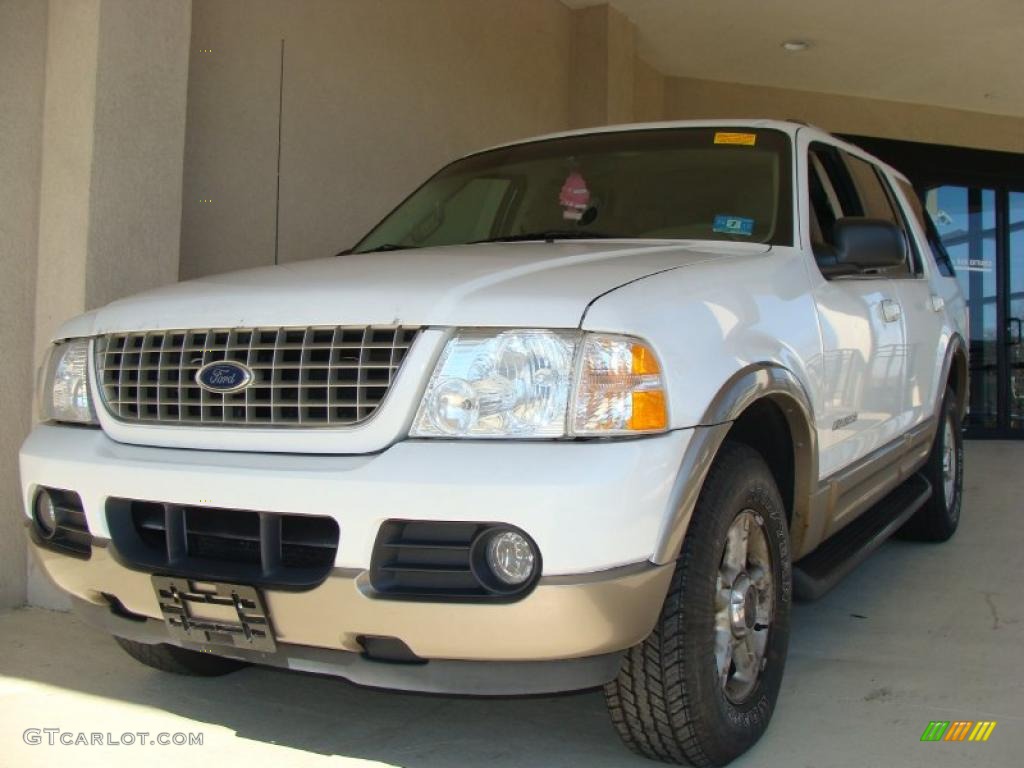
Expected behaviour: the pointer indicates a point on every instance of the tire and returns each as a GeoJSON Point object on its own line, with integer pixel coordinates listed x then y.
{"type": "Point", "coordinates": [938, 519]}
{"type": "Point", "coordinates": [669, 701]}
{"type": "Point", "coordinates": [179, 661]}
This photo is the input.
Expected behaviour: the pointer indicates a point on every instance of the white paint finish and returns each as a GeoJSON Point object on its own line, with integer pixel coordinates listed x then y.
{"type": "Point", "coordinates": [933, 308]}
{"type": "Point", "coordinates": [484, 285]}
{"type": "Point", "coordinates": [613, 496]}
{"type": "Point", "coordinates": [23, 63]}
{"type": "Point", "coordinates": [868, 667]}
{"type": "Point", "coordinates": [545, 285]}
{"type": "Point", "coordinates": [885, 373]}
{"type": "Point", "coordinates": [709, 310]}
{"type": "Point", "coordinates": [709, 321]}
{"type": "Point", "coordinates": [865, 366]}
{"type": "Point", "coordinates": [964, 55]}
{"type": "Point", "coordinates": [712, 307]}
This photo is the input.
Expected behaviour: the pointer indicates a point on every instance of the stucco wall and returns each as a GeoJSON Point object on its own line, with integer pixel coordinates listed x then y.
{"type": "Point", "coordinates": [376, 96]}
{"type": "Point", "coordinates": [113, 135]}
{"type": "Point", "coordinates": [23, 64]}
{"type": "Point", "coordinates": [648, 93]}
{"type": "Point", "coordinates": [690, 98]}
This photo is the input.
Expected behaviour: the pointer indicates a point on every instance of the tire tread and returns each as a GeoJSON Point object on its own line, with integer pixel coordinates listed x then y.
{"type": "Point", "coordinates": [654, 713]}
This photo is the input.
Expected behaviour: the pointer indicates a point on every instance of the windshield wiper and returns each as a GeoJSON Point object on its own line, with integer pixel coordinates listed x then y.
{"type": "Point", "coordinates": [549, 235]}
{"type": "Point", "coordinates": [387, 247]}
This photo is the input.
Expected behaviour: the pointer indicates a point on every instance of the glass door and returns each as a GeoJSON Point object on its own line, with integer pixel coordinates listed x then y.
{"type": "Point", "coordinates": [983, 230]}
{"type": "Point", "coordinates": [1015, 311]}
{"type": "Point", "coordinates": [966, 220]}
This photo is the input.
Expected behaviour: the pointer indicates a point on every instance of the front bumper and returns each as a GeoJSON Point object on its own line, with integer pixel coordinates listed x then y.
{"type": "Point", "coordinates": [561, 618]}
{"type": "Point", "coordinates": [596, 511]}
{"type": "Point", "coordinates": [475, 678]}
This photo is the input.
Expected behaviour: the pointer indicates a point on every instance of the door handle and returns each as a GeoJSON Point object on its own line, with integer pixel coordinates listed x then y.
{"type": "Point", "coordinates": [891, 310]}
{"type": "Point", "coordinates": [938, 303]}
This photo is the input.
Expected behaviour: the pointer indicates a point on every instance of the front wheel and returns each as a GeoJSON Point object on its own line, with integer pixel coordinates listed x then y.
{"type": "Point", "coordinates": [702, 687]}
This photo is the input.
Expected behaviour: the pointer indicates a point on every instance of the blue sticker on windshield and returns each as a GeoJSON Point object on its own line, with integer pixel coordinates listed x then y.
{"type": "Point", "coordinates": [733, 225]}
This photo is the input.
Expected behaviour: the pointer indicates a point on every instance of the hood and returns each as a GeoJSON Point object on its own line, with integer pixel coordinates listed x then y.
{"type": "Point", "coordinates": [497, 284]}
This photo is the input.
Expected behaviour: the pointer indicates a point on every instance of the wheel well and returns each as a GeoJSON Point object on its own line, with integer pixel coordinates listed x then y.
{"type": "Point", "coordinates": [958, 380]}
{"type": "Point", "coordinates": [763, 427]}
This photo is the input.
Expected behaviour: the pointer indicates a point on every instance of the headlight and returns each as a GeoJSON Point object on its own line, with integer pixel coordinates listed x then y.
{"type": "Point", "coordinates": [527, 384]}
{"type": "Point", "coordinates": [64, 384]}
{"type": "Point", "coordinates": [512, 384]}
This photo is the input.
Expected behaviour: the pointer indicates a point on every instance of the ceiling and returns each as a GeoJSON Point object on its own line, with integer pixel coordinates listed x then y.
{"type": "Point", "coordinates": [966, 54]}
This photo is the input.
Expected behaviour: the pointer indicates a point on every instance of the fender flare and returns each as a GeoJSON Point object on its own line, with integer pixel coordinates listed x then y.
{"type": "Point", "coordinates": [747, 386]}
{"type": "Point", "coordinates": [956, 346]}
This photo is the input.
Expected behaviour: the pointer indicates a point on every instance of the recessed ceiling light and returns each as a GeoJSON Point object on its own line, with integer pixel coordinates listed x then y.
{"type": "Point", "coordinates": [796, 45]}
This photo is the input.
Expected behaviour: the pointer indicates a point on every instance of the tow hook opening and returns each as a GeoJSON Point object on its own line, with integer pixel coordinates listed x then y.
{"type": "Point", "coordinates": [387, 649]}
{"type": "Point", "coordinates": [117, 608]}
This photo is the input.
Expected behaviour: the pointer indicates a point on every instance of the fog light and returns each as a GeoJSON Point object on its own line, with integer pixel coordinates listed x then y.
{"type": "Point", "coordinates": [510, 557]}
{"type": "Point", "coordinates": [45, 514]}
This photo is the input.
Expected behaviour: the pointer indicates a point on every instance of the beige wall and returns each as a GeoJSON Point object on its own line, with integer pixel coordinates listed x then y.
{"type": "Point", "coordinates": [110, 178]}
{"type": "Point", "coordinates": [687, 98]}
{"type": "Point", "coordinates": [602, 69]}
{"type": "Point", "coordinates": [648, 93]}
{"type": "Point", "coordinates": [377, 95]}
{"type": "Point", "coordinates": [23, 64]}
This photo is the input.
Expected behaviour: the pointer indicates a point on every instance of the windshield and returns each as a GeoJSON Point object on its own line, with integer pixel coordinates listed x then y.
{"type": "Point", "coordinates": [677, 183]}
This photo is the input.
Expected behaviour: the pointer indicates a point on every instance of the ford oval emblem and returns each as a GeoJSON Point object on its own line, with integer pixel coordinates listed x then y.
{"type": "Point", "coordinates": [223, 376]}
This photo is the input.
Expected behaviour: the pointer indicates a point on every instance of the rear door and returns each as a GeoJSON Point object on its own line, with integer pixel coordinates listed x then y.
{"type": "Point", "coordinates": [861, 329]}
{"type": "Point", "coordinates": [923, 293]}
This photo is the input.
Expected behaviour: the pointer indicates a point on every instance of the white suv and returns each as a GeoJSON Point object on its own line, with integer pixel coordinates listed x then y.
{"type": "Point", "coordinates": [583, 410]}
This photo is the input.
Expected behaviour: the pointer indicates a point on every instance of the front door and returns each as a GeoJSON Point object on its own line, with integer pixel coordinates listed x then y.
{"type": "Point", "coordinates": [861, 327]}
{"type": "Point", "coordinates": [983, 231]}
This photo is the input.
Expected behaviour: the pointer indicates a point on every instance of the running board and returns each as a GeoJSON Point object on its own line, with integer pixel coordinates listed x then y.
{"type": "Point", "coordinates": [821, 570]}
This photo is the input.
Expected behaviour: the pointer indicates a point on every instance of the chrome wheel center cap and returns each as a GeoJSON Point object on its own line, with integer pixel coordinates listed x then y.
{"type": "Point", "coordinates": [742, 605]}
{"type": "Point", "coordinates": [744, 602]}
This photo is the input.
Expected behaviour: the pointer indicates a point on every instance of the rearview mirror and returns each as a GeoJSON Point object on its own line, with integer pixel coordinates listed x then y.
{"type": "Point", "coordinates": [862, 244]}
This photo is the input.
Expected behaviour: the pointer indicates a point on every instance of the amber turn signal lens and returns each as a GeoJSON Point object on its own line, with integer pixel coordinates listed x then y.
{"type": "Point", "coordinates": [648, 411]}
{"type": "Point", "coordinates": [620, 388]}
{"type": "Point", "coordinates": [644, 360]}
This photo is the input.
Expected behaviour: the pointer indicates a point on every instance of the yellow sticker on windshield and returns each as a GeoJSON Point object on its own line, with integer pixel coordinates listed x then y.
{"type": "Point", "coordinates": [742, 139]}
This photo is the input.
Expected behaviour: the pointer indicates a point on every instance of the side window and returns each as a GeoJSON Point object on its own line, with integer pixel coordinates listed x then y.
{"type": "Point", "coordinates": [942, 259]}
{"type": "Point", "coordinates": [876, 202]}
{"type": "Point", "coordinates": [832, 197]}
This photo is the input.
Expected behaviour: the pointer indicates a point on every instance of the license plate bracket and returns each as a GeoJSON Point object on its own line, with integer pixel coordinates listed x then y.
{"type": "Point", "coordinates": [214, 613]}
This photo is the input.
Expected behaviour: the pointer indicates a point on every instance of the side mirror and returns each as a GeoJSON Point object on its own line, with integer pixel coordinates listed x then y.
{"type": "Point", "coordinates": [862, 244]}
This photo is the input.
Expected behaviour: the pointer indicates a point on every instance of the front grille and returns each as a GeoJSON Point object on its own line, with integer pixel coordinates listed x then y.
{"type": "Point", "coordinates": [234, 545]}
{"type": "Point", "coordinates": [301, 377]}
{"type": "Point", "coordinates": [437, 561]}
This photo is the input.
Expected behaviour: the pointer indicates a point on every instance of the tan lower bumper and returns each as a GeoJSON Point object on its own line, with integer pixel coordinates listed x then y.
{"type": "Point", "coordinates": [562, 618]}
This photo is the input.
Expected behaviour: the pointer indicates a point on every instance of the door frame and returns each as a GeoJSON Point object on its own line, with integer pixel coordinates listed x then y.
{"type": "Point", "coordinates": [933, 165]}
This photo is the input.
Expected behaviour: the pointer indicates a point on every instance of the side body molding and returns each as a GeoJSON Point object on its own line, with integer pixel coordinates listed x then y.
{"type": "Point", "coordinates": [747, 386]}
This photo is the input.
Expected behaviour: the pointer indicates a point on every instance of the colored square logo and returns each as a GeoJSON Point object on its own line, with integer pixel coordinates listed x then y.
{"type": "Point", "coordinates": [733, 225]}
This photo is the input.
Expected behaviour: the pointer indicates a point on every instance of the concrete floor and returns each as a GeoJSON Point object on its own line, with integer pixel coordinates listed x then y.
{"type": "Point", "coordinates": [918, 633]}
